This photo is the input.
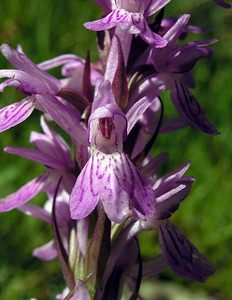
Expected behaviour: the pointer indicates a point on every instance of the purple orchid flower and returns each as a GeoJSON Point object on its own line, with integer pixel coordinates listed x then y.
{"type": "Point", "coordinates": [27, 78]}
{"type": "Point", "coordinates": [169, 192]}
{"type": "Point", "coordinates": [131, 17]}
{"type": "Point", "coordinates": [53, 152]}
{"type": "Point", "coordinates": [177, 62]}
{"type": "Point", "coordinates": [41, 89]}
{"type": "Point", "coordinates": [179, 253]}
{"type": "Point", "coordinates": [109, 176]}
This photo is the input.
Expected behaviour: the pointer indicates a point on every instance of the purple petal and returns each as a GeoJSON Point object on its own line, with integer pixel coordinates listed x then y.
{"type": "Point", "coordinates": [53, 146]}
{"type": "Point", "coordinates": [20, 61]}
{"type": "Point", "coordinates": [153, 165]}
{"type": "Point", "coordinates": [46, 252]}
{"type": "Point", "coordinates": [66, 116]}
{"type": "Point", "coordinates": [118, 16]}
{"type": "Point", "coordinates": [184, 58]}
{"type": "Point", "coordinates": [175, 31]}
{"type": "Point", "coordinates": [155, 5]}
{"type": "Point", "coordinates": [170, 190]}
{"type": "Point", "coordinates": [83, 199]}
{"type": "Point", "coordinates": [80, 292]}
{"type": "Point", "coordinates": [16, 113]}
{"type": "Point", "coordinates": [59, 61]}
{"type": "Point", "coordinates": [103, 95]}
{"type": "Point", "coordinates": [137, 111]}
{"type": "Point", "coordinates": [151, 87]}
{"type": "Point", "coordinates": [223, 3]}
{"type": "Point", "coordinates": [190, 110]}
{"type": "Point", "coordinates": [72, 67]}
{"type": "Point", "coordinates": [173, 125]}
{"type": "Point", "coordinates": [22, 81]}
{"type": "Point", "coordinates": [181, 255]}
{"type": "Point", "coordinates": [35, 211]}
{"type": "Point", "coordinates": [114, 180]}
{"type": "Point", "coordinates": [37, 156]}
{"type": "Point", "coordinates": [24, 194]}
{"type": "Point", "coordinates": [140, 26]}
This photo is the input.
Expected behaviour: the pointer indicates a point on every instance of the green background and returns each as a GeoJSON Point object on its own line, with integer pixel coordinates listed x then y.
{"type": "Point", "coordinates": [48, 28]}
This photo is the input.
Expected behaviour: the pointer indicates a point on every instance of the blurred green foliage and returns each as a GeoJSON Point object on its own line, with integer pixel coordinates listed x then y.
{"type": "Point", "coordinates": [48, 28]}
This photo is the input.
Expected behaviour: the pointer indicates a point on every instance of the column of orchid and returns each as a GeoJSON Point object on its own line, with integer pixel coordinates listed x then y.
{"type": "Point", "coordinates": [101, 197]}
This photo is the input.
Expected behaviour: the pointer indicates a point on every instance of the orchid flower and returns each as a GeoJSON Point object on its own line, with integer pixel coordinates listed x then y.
{"type": "Point", "coordinates": [53, 152]}
{"type": "Point", "coordinates": [109, 176]}
{"type": "Point", "coordinates": [177, 62]}
{"type": "Point", "coordinates": [129, 17]}
{"type": "Point", "coordinates": [169, 191]}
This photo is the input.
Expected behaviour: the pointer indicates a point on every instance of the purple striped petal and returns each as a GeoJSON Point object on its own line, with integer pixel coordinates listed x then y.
{"type": "Point", "coordinates": [16, 113]}
{"type": "Point", "coordinates": [190, 110]}
{"type": "Point", "coordinates": [53, 146]}
{"type": "Point", "coordinates": [151, 87]}
{"type": "Point", "coordinates": [140, 26]}
{"type": "Point", "coordinates": [23, 81]}
{"type": "Point", "coordinates": [46, 252]}
{"type": "Point", "coordinates": [175, 31]}
{"type": "Point", "coordinates": [37, 156]}
{"type": "Point", "coordinates": [173, 125]}
{"type": "Point", "coordinates": [118, 16]}
{"type": "Point", "coordinates": [66, 116]}
{"type": "Point", "coordinates": [114, 180]}
{"type": "Point", "coordinates": [20, 61]}
{"type": "Point", "coordinates": [137, 110]}
{"type": "Point", "coordinates": [181, 255]}
{"type": "Point", "coordinates": [154, 6]}
{"type": "Point", "coordinates": [59, 61]}
{"type": "Point", "coordinates": [170, 190]}
{"type": "Point", "coordinates": [24, 194]}
{"type": "Point", "coordinates": [183, 59]}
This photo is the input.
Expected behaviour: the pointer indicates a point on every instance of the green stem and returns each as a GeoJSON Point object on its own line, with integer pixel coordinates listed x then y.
{"type": "Point", "coordinates": [99, 250]}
